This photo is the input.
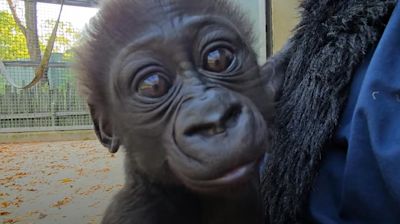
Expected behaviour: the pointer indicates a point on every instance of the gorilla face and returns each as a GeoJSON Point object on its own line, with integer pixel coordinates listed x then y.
{"type": "Point", "coordinates": [191, 102]}
{"type": "Point", "coordinates": [184, 96]}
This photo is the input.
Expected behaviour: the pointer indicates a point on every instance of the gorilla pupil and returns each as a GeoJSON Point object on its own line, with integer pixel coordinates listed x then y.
{"type": "Point", "coordinates": [153, 86]}
{"type": "Point", "coordinates": [218, 60]}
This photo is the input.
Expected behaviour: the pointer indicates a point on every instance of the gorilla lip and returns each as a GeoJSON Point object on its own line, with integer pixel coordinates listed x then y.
{"type": "Point", "coordinates": [236, 175]}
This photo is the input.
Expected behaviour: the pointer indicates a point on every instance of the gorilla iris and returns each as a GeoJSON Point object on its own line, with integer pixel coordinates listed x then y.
{"type": "Point", "coordinates": [176, 83]}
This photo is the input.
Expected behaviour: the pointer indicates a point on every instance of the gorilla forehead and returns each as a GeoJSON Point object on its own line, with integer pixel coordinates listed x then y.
{"type": "Point", "coordinates": [133, 16]}
{"type": "Point", "coordinates": [178, 31]}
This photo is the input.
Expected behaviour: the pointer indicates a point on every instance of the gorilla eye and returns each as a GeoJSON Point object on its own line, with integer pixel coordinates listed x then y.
{"type": "Point", "coordinates": [154, 85]}
{"type": "Point", "coordinates": [218, 60]}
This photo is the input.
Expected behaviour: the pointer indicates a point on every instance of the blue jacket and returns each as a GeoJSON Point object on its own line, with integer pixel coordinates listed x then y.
{"type": "Point", "coordinates": [359, 181]}
{"type": "Point", "coordinates": [335, 155]}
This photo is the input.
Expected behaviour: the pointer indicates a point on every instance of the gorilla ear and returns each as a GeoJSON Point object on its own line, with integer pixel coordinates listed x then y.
{"type": "Point", "coordinates": [273, 74]}
{"type": "Point", "coordinates": [104, 130]}
{"type": "Point", "coordinates": [274, 70]}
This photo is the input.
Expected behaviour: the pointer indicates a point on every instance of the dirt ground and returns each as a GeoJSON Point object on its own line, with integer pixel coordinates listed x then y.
{"type": "Point", "coordinates": [57, 182]}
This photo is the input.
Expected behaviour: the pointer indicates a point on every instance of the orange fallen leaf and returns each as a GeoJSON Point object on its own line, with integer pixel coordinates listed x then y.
{"type": "Point", "coordinates": [17, 202]}
{"type": "Point", "coordinates": [2, 213]}
{"type": "Point", "coordinates": [10, 221]}
{"type": "Point", "coordinates": [91, 190]}
{"type": "Point", "coordinates": [66, 180]}
{"type": "Point", "coordinates": [21, 174]}
{"type": "Point", "coordinates": [104, 170]}
{"type": "Point", "coordinates": [80, 171]}
{"type": "Point", "coordinates": [5, 204]}
{"type": "Point", "coordinates": [94, 205]}
{"type": "Point", "coordinates": [3, 194]}
{"type": "Point", "coordinates": [62, 202]}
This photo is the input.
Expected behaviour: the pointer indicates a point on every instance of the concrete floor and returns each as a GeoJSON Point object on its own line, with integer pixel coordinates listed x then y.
{"type": "Point", "coordinates": [57, 182]}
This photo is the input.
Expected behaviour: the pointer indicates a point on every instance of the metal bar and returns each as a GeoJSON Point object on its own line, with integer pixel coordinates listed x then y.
{"type": "Point", "coordinates": [41, 115]}
{"type": "Point", "coordinates": [268, 28]}
{"type": "Point", "coordinates": [61, 114]}
{"type": "Point", "coordinates": [49, 128]}
{"type": "Point", "coordinates": [82, 3]}
{"type": "Point", "coordinates": [35, 64]}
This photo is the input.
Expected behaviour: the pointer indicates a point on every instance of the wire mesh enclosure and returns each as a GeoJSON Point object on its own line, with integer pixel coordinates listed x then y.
{"type": "Point", "coordinates": [53, 103]}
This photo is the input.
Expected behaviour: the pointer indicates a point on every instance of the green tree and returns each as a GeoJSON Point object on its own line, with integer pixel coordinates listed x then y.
{"type": "Point", "coordinates": [13, 37]}
{"type": "Point", "coordinates": [29, 29]}
{"type": "Point", "coordinates": [67, 37]}
{"type": "Point", "coordinates": [19, 40]}
{"type": "Point", "coordinates": [12, 41]}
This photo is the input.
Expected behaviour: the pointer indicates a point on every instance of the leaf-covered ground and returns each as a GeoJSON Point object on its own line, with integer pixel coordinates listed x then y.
{"type": "Point", "coordinates": [57, 182]}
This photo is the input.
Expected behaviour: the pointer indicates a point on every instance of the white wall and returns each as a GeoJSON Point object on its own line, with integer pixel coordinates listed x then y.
{"type": "Point", "coordinates": [255, 9]}
{"type": "Point", "coordinates": [285, 16]}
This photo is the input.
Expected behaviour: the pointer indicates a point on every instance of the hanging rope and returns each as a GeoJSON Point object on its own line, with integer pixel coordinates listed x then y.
{"type": "Point", "coordinates": [44, 62]}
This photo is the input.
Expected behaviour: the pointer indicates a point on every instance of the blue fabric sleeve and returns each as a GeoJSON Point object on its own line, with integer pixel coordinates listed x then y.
{"type": "Point", "coordinates": [359, 181]}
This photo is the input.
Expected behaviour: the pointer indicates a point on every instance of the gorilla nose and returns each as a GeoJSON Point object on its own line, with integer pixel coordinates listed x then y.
{"type": "Point", "coordinates": [214, 123]}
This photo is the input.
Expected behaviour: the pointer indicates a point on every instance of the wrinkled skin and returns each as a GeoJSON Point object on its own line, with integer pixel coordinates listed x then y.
{"type": "Point", "coordinates": [177, 84]}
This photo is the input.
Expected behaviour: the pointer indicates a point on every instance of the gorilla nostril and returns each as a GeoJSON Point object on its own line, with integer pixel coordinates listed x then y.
{"type": "Point", "coordinates": [204, 129]}
{"type": "Point", "coordinates": [227, 120]}
{"type": "Point", "coordinates": [231, 116]}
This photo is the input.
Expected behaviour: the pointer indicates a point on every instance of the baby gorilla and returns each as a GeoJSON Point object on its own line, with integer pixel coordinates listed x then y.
{"type": "Point", "coordinates": [176, 83]}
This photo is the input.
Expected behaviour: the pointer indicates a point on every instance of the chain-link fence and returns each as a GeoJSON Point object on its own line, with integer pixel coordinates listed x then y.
{"type": "Point", "coordinates": [53, 103]}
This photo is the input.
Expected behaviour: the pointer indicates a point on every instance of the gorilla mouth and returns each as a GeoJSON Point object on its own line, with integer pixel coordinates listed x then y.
{"type": "Point", "coordinates": [234, 177]}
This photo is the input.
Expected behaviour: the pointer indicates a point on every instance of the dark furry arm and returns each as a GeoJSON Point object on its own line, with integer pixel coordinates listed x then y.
{"type": "Point", "coordinates": [131, 205]}
{"type": "Point", "coordinates": [149, 205]}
